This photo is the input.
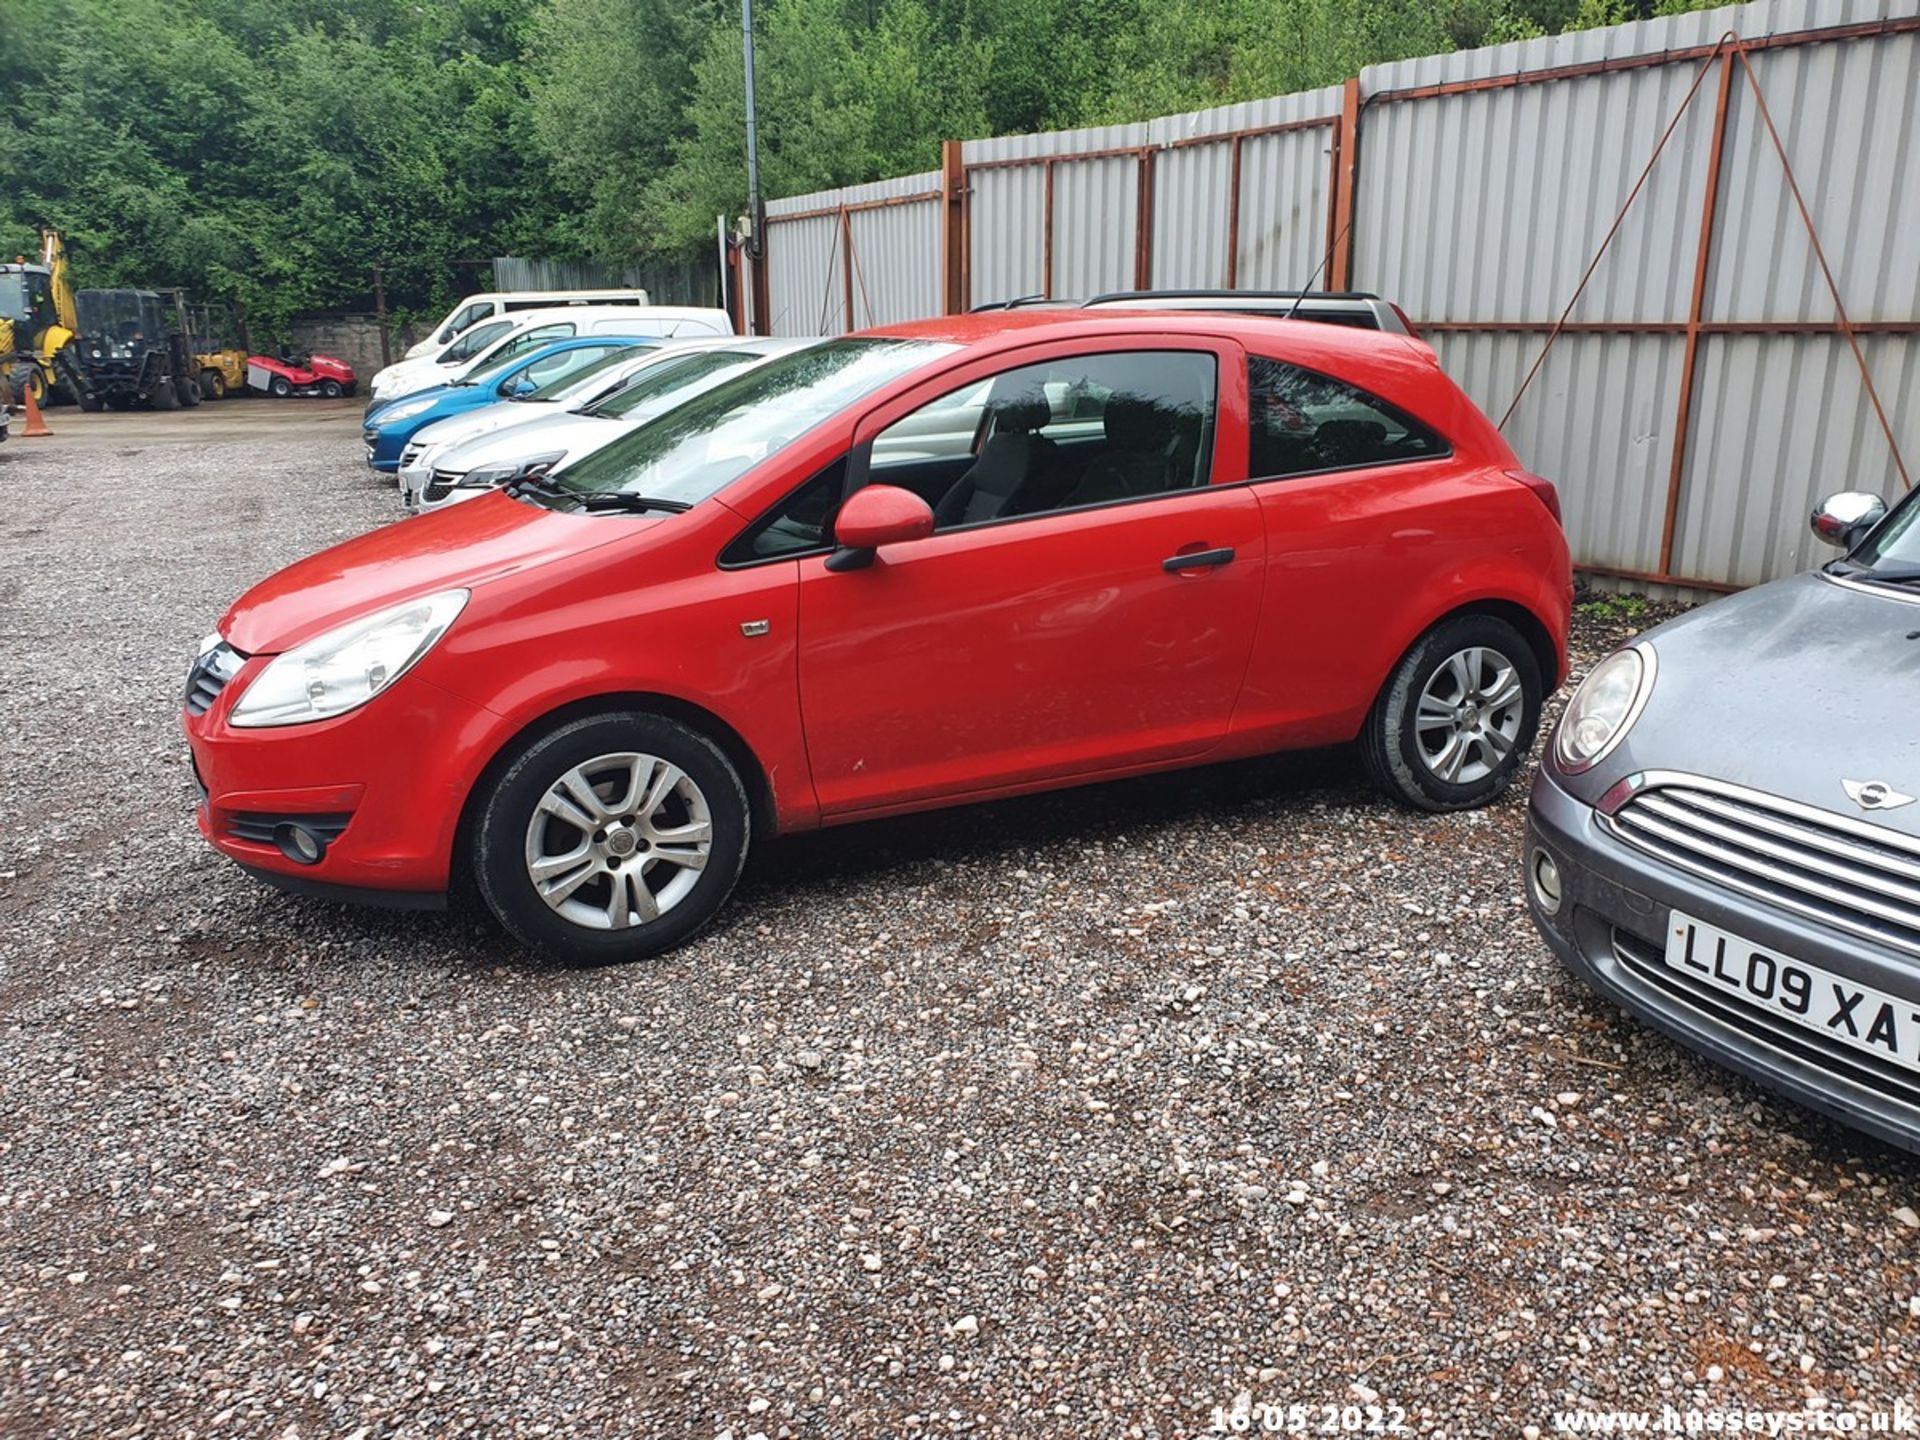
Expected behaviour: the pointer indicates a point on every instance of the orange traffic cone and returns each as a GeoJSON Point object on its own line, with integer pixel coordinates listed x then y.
{"type": "Point", "coordinates": [36, 423]}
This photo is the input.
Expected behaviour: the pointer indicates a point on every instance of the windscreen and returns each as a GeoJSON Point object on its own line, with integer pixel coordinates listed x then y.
{"type": "Point", "coordinates": [1895, 546]}
{"type": "Point", "coordinates": [474, 341]}
{"type": "Point", "coordinates": [669, 377]}
{"type": "Point", "coordinates": [119, 322]}
{"type": "Point", "coordinates": [585, 379]}
{"type": "Point", "coordinates": [497, 369]}
{"type": "Point", "coordinates": [698, 448]}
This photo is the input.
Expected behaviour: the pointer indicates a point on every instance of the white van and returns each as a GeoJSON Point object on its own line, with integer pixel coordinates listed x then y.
{"type": "Point", "coordinates": [485, 341]}
{"type": "Point", "coordinates": [475, 308]}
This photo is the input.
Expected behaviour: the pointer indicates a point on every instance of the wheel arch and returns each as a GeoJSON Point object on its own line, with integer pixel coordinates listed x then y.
{"type": "Point", "coordinates": [1532, 628]}
{"type": "Point", "coordinates": [753, 774]}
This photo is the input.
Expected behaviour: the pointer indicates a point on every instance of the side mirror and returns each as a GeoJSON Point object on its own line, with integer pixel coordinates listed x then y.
{"type": "Point", "coordinates": [877, 515]}
{"type": "Point", "coordinates": [1844, 518]}
{"type": "Point", "coordinates": [522, 386]}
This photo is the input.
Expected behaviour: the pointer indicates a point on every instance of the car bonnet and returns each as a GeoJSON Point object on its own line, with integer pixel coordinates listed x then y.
{"type": "Point", "coordinates": [577, 435]}
{"type": "Point", "coordinates": [1791, 689]}
{"type": "Point", "coordinates": [459, 546]}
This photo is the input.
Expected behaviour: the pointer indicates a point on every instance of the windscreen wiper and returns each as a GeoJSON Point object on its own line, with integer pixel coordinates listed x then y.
{"type": "Point", "coordinates": [624, 500]}
{"type": "Point", "coordinates": [1881, 575]}
{"type": "Point", "coordinates": [533, 485]}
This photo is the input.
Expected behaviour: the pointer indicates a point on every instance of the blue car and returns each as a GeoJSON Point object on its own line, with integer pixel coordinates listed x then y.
{"type": "Point", "coordinates": [387, 429]}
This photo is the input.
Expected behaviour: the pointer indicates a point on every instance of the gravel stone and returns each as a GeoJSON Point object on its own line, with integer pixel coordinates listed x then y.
{"type": "Point", "coordinates": [1075, 1115]}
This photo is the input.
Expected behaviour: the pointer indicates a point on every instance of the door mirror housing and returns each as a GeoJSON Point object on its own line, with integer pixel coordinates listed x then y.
{"type": "Point", "coordinates": [522, 386]}
{"type": "Point", "coordinates": [873, 516]}
{"type": "Point", "coordinates": [1845, 518]}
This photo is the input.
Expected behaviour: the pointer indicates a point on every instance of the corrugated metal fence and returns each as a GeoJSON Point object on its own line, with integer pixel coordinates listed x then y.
{"type": "Point", "coordinates": [1701, 395]}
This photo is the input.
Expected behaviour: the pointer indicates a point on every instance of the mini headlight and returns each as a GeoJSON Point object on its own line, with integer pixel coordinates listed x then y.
{"type": "Point", "coordinates": [1604, 708]}
{"type": "Point", "coordinates": [346, 667]}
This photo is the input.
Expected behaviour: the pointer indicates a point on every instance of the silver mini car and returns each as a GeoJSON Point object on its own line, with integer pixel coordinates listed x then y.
{"type": "Point", "coordinates": [1724, 836]}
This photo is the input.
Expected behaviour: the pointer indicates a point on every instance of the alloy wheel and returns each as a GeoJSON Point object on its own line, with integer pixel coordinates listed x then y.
{"type": "Point", "coordinates": [618, 841]}
{"type": "Point", "coordinates": [1469, 715]}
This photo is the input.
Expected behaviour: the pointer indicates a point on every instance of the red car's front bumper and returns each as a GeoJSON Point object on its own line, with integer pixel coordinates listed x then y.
{"type": "Point", "coordinates": [380, 787]}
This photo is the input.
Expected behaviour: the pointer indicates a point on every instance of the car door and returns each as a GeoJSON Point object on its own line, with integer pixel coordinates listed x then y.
{"type": "Point", "coordinates": [1048, 628]}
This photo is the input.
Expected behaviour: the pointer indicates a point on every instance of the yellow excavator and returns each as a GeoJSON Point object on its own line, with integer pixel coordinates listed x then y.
{"type": "Point", "coordinates": [37, 321]}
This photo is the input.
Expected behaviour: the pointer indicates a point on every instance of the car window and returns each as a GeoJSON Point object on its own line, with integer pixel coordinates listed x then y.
{"type": "Point", "coordinates": [467, 316]}
{"type": "Point", "coordinates": [549, 369]}
{"type": "Point", "coordinates": [580, 382]}
{"type": "Point", "coordinates": [1086, 430]}
{"type": "Point", "coordinates": [800, 524]}
{"type": "Point", "coordinates": [1303, 423]}
{"type": "Point", "coordinates": [532, 340]}
{"type": "Point", "coordinates": [948, 427]}
{"type": "Point", "coordinates": [474, 341]}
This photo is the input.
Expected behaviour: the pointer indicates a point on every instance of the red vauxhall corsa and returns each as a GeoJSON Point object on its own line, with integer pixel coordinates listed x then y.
{"type": "Point", "coordinates": [914, 567]}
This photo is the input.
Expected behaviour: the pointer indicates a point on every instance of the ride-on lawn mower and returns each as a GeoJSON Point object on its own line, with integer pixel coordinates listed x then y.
{"type": "Point", "coordinates": [290, 373]}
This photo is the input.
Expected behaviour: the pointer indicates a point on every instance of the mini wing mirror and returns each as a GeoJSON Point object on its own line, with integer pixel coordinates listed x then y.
{"type": "Point", "coordinates": [877, 515]}
{"type": "Point", "coordinates": [1844, 518]}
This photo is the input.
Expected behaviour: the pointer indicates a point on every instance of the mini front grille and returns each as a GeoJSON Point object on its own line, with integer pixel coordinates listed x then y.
{"type": "Point", "coordinates": [1642, 957]}
{"type": "Point", "coordinates": [209, 676]}
{"type": "Point", "coordinates": [441, 485]}
{"type": "Point", "coordinates": [1860, 878]}
{"type": "Point", "coordinates": [257, 828]}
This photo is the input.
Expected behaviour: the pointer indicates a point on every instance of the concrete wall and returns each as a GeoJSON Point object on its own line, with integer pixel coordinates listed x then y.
{"type": "Point", "coordinates": [352, 338]}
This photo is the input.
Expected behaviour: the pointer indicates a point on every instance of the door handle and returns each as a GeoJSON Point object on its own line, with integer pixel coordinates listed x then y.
{"type": "Point", "coordinates": [1197, 560]}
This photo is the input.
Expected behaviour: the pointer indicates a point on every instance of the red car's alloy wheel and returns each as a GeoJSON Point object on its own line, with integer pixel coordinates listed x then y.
{"type": "Point", "coordinates": [1455, 721]}
{"type": "Point", "coordinates": [612, 838]}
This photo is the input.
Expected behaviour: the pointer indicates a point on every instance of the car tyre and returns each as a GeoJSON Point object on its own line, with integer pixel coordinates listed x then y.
{"type": "Point", "coordinates": [1457, 717]}
{"type": "Point", "coordinates": [213, 385]}
{"type": "Point", "coordinates": [575, 892]}
{"type": "Point", "coordinates": [188, 390]}
{"type": "Point", "coordinates": [330, 389]}
{"type": "Point", "coordinates": [280, 387]}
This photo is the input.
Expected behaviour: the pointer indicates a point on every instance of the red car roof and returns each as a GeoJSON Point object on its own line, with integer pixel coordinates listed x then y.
{"type": "Point", "coordinates": [1310, 342]}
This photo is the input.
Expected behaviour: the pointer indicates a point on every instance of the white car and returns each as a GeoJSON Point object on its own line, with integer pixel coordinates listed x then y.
{"type": "Point", "coordinates": [501, 339]}
{"type": "Point", "coordinates": [485, 462]}
{"type": "Point", "coordinates": [571, 392]}
{"type": "Point", "coordinates": [486, 305]}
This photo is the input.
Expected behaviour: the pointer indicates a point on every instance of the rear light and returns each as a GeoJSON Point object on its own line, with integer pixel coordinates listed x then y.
{"type": "Point", "coordinates": [1543, 491]}
{"type": "Point", "coordinates": [1412, 329]}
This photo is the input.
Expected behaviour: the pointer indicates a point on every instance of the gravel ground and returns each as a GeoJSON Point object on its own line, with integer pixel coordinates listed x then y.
{"type": "Point", "coordinates": [1076, 1116]}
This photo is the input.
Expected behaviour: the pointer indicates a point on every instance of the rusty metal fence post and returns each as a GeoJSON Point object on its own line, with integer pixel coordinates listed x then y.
{"type": "Point", "coordinates": [1346, 154]}
{"type": "Point", "coordinates": [1689, 362]}
{"type": "Point", "coordinates": [954, 284]}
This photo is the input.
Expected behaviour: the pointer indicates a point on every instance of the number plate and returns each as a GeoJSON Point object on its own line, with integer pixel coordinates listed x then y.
{"type": "Point", "coordinates": [1815, 999]}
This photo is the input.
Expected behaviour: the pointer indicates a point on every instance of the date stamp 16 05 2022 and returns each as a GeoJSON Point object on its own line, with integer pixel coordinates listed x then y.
{"type": "Point", "coordinates": [1247, 1416]}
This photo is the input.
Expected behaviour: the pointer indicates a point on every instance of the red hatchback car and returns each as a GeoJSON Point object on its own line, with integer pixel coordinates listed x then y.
{"type": "Point", "coordinates": [913, 567]}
